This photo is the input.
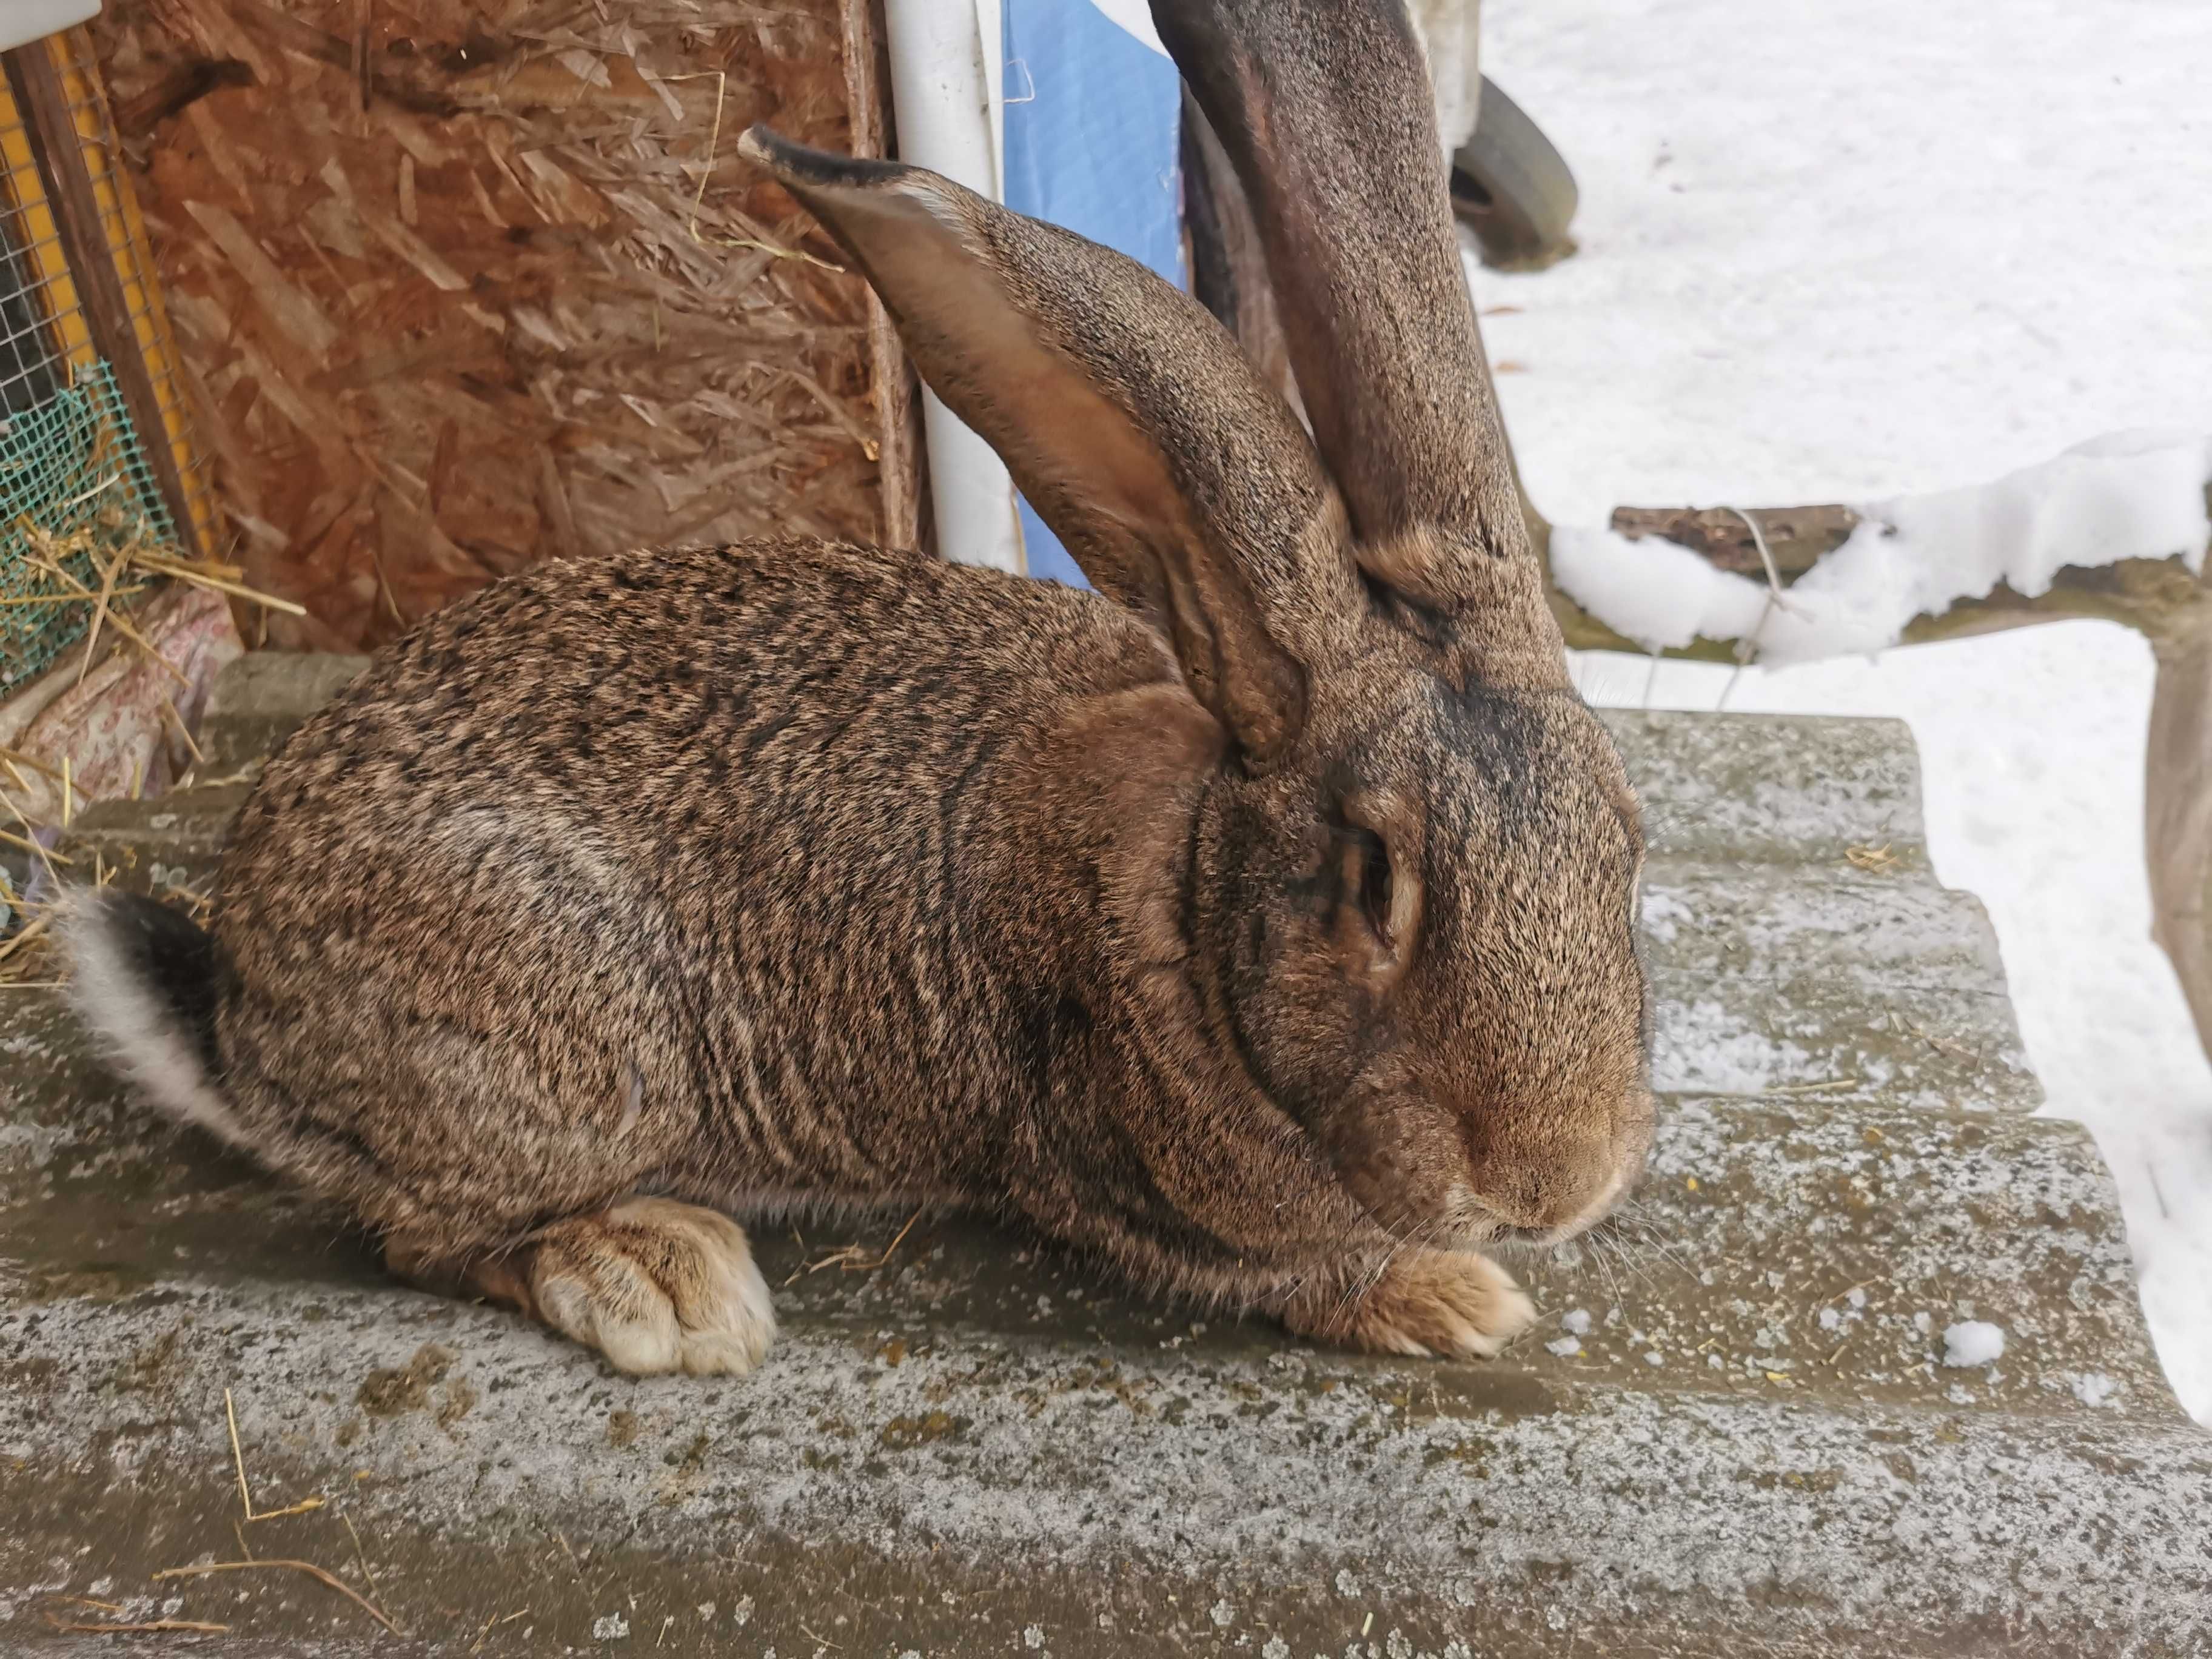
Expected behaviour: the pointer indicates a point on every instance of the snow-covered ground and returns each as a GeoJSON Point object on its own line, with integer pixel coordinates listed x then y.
{"type": "Point", "coordinates": [1840, 252]}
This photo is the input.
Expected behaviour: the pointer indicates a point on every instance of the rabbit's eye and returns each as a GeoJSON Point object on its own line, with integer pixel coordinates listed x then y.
{"type": "Point", "coordinates": [1375, 884]}
{"type": "Point", "coordinates": [1376, 891]}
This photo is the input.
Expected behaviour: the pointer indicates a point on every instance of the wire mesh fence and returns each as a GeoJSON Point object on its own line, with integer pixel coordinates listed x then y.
{"type": "Point", "coordinates": [81, 472]}
{"type": "Point", "coordinates": [31, 368]}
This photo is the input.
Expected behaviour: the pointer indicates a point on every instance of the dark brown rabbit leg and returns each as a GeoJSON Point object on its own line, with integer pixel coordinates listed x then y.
{"type": "Point", "coordinates": [654, 1284]}
{"type": "Point", "coordinates": [1451, 1303]}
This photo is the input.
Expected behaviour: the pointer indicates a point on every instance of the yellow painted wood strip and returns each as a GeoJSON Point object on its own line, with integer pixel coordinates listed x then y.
{"type": "Point", "coordinates": [123, 229]}
{"type": "Point", "coordinates": [35, 227]}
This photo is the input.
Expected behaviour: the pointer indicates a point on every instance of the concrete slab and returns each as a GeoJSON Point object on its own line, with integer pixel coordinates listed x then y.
{"type": "Point", "coordinates": [1756, 788]}
{"type": "Point", "coordinates": [257, 700]}
{"type": "Point", "coordinates": [1818, 978]}
{"type": "Point", "coordinates": [1777, 1245]}
{"type": "Point", "coordinates": [174, 842]}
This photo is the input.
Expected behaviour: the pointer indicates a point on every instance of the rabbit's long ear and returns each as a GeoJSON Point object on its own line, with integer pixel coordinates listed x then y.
{"type": "Point", "coordinates": [1324, 107]}
{"type": "Point", "coordinates": [1184, 487]}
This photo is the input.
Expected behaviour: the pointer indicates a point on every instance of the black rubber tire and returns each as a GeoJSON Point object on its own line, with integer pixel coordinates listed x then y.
{"type": "Point", "coordinates": [1513, 189]}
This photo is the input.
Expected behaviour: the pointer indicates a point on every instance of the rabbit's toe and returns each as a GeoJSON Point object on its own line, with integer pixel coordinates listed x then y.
{"type": "Point", "coordinates": [1452, 1304]}
{"type": "Point", "coordinates": [656, 1286]}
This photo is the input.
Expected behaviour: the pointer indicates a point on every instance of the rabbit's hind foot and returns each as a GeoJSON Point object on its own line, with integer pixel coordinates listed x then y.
{"type": "Point", "coordinates": [654, 1284]}
{"type": "Point", "coordinates": [1453, 1305]}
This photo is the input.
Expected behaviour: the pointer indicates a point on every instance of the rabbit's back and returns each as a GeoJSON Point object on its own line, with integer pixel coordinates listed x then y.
{"type": "Point", "coordinates": [689, 865]}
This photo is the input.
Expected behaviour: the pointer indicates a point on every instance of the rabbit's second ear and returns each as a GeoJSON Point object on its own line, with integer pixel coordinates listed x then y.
{"type": "Point", "coordinates": [1184, 487]}
{"type": "Point", "coordinates": [1324, 107]}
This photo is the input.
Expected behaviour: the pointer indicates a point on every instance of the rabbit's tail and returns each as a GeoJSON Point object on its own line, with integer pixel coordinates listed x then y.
{"type": "Point", "coordinates": [144, 978]}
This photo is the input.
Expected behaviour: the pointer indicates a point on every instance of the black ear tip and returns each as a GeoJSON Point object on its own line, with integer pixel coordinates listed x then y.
{"type": "Point", "coordinates": [799, 167]}
{"type": "Point", "coordinates": [762, 143]}
{"type": "Point", "coordinates": [759, 141]}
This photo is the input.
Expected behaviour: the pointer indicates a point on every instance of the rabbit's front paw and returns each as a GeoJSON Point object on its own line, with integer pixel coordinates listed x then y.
{"type": "Point", "coordinates": [1449, 1304]}
{"type": "Point", "coordinates": [655, 1285]}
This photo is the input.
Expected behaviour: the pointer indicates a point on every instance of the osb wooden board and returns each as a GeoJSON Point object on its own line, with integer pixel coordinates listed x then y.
{"type": "Point", "coordinates": [460, 285]}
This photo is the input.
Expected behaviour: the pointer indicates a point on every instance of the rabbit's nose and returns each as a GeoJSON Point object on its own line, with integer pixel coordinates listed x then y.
{"type": "Point", "coordinates": [1545, 1189]}
{"type": "Point", "coordinates": [1529, 1184]}
{"type": "Point", "coordinates": [1596, 1210]}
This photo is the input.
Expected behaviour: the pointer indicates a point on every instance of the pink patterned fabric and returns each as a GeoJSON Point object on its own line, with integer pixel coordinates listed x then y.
{"type": "Point", "coordinates": [113, 727]}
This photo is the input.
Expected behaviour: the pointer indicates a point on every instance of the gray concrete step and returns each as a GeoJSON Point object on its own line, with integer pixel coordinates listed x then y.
{"type": "Point", "coordinates": [1822, 979]}
{"type": "Point", "coordinates": [1734, 1431]}
{"type": "Point", "coordinates": [172, 845]}
{"type": "Point", "coordinates": [257, 700]}
{"type": "Point", "coordinates": [1754, 787]}
{"type": "Point", "coordinates": [1189, 1485]}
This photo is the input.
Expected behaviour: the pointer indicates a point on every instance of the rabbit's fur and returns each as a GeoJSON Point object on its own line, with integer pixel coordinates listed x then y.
{"type": "Point", "coordinates": [1262, 923]}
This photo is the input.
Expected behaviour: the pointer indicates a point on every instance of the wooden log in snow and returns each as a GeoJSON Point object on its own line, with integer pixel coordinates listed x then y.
{"type": "Point", "coordinates": [2156, 596]}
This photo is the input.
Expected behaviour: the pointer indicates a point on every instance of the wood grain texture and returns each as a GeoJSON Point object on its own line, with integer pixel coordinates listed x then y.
{"type": "Point", "coordinates": [461, 287]}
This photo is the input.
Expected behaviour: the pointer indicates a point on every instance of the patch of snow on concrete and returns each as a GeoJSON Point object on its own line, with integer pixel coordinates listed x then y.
{"type": "Point", "coordinates": [1663, 915]}
{"type": "Point", "coordinates": [2095, 1388]}
{"type": "Point", "coordinates": [1973, 1342]}
{"type": "Point", "coordinates": [1702, 1047]}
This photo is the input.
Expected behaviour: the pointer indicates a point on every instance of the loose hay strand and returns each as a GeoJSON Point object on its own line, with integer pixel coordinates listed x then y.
{"type": "Point", "coordinates": [237, 1457]}
{"type": "Point", "coordinates": [184, 731]}
{"type": "Point", "coordinates": [360, 1554]}
{"type": "Point", "coordinates": [12, 758]}
{"type": "Point", "coordinates": [52, 566]}
{"type": "Point", "coordinates": [109, 570]}
{"type": "Point", "coordinates": [139, 1627]}
{"type": "Point", "coordinates": [851, 1257]}
{"type": "Point", "coordinates": [721, 79]}
{"type": "Point", "coordinates": [50, 860]}
{"type": "Point", "coordinates": [320, 1575]}
{"type": "Point", "coordinates": [13, 840]}
{"type": "Point", "coordinates": [245, 1494]}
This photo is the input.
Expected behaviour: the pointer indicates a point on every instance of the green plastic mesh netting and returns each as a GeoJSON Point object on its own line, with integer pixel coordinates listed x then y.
{"type": "Point", "coordinates": [70, 463]}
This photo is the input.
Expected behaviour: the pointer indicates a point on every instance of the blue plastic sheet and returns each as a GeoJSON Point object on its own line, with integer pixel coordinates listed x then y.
{"type": "Point", "coordinates": [1092, 119]}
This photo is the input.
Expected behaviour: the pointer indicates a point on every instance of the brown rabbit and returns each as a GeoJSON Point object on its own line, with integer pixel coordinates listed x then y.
{"type": "Point", "coordinates": [1262, 923]}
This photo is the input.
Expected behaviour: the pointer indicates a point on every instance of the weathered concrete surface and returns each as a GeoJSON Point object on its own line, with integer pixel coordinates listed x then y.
{"type": "Point", "coordinates": [257, 700]}
{"type": "Point", "coordinates": [1751, 1446]}
{"type": "Point", "coordinates": [1862, 987]}
{"type": "Point", "coordinates": [157, 846]}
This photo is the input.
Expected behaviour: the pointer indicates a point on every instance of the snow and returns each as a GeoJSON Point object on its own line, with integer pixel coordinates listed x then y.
{"type": "Point", "coordinates": [1575, 1322]}
{"type": "Point", "coordinates": [1653, 591]}
{"type": "Point", "coordinates": [2095, 1388]}
{"type": "Point", "coordinates": [1874, 253]}
{"type": "Point", "coordinates": [2124, 495]}
{"type": "Point", "coordinates": [1973, 1342]}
